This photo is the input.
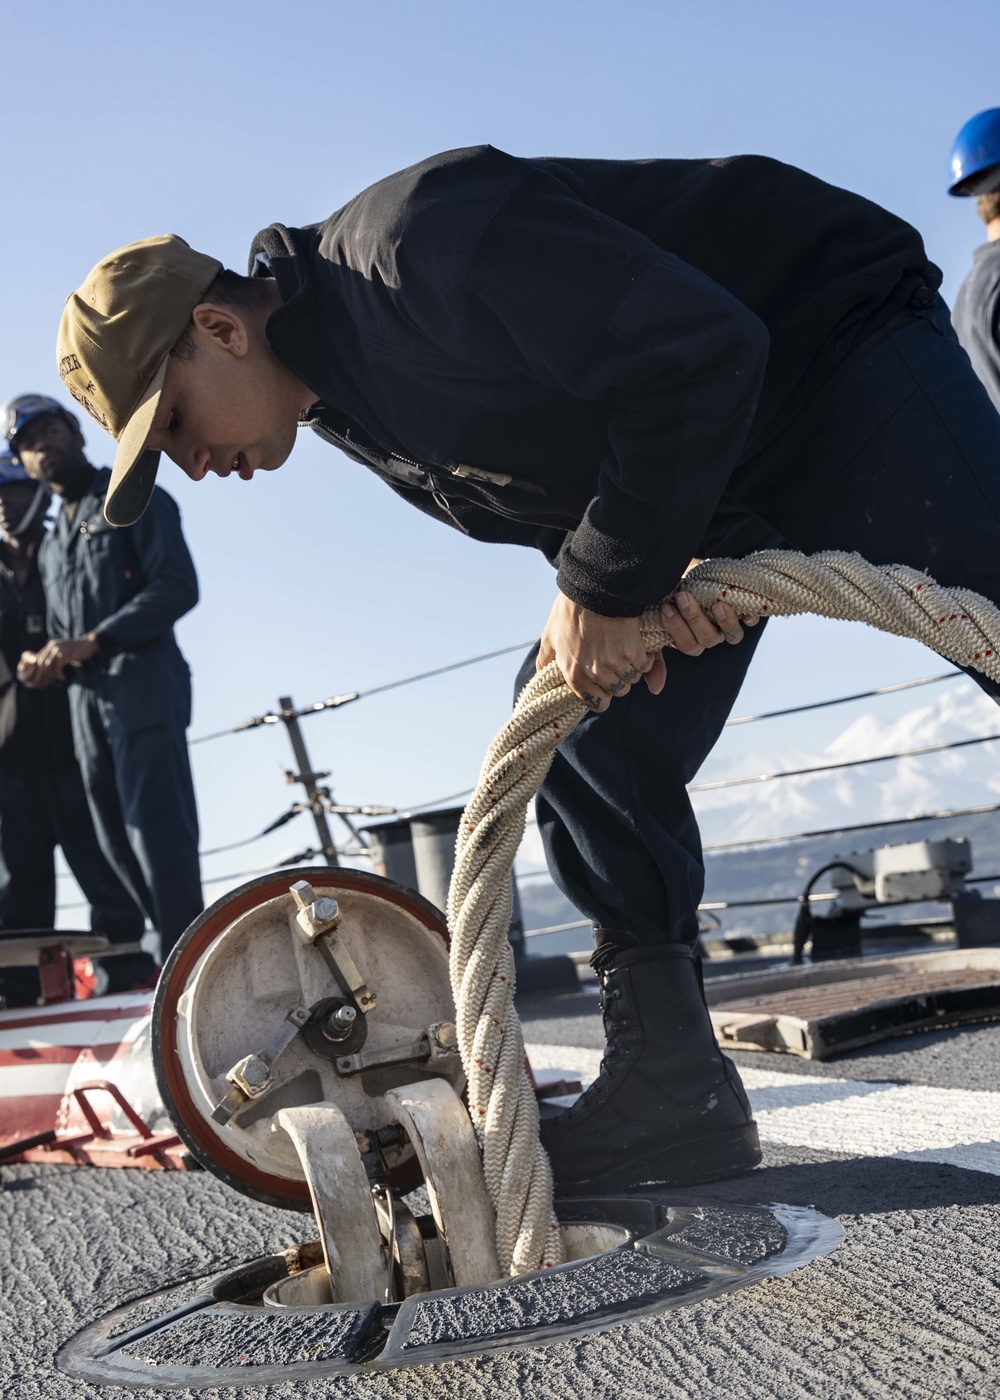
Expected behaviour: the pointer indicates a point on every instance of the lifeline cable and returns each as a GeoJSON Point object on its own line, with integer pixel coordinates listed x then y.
{"type": "Point", "coordinates": [846, 763]}
{"type": "Point", "coordinates": [842, 699]}
{"type": "Point", "coordinates": [960, 625]}
{"type": "Point", "coordinates": [300, 807]}
{"type": "Point", "coordinates": [334, 702]}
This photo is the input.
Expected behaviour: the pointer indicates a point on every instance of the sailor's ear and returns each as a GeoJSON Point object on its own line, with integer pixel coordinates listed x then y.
{"type": "Point", "coordinates": [220, 327]}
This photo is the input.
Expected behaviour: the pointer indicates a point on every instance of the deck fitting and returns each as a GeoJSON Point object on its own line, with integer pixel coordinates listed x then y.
{"type": "Point", "coordinates": [656, 1255]}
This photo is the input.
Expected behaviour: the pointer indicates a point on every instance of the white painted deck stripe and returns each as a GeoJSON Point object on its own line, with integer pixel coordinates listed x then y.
{"type": "Point", "coordinates": [918, 1122]}
{"type": "Point", "coordinates": [111, 1009]}
{"type": "Point", "coordinates": [121, 1028]}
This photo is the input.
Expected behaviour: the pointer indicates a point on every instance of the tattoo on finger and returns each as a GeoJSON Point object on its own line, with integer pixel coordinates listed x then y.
{"type": "Point", "coordinates": [591, 701]}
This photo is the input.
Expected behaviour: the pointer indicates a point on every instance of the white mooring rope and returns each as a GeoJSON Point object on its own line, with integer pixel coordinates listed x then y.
{"type": "Point", "coordinates": [959, 625]}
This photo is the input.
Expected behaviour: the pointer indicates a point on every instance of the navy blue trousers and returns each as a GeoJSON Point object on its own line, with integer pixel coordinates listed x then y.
{"type": "Point", "coordinates": [141, 796]}
{"type": "Point", "coordinates": [39, 811]}
{"type": "Point", "coordinates": [898, 458]}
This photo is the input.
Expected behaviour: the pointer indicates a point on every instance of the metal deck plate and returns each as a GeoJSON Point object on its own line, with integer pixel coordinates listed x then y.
{"type": "Point", "coordinates": [821, 1010]}
{"type": "Point", "coordinates": [216, 1331]}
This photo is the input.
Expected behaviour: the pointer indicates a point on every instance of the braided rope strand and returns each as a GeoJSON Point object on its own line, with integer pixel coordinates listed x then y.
{"type": "Point", "coordinates": [958, 624]}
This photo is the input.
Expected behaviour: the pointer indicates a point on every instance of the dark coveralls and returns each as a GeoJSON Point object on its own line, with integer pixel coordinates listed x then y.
{"type": "Point", "coordinates": [42, 799]}
{"type": "Point", "coordinates": [976, 317]}
{"type": "Point", "coordinates": [131, 704]}
{"type": "Point", "coordinates": [628, 365]}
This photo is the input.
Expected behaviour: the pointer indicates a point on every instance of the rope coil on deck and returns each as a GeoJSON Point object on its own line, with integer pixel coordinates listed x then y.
{"type": "Point", "coordinates": [958, 624]}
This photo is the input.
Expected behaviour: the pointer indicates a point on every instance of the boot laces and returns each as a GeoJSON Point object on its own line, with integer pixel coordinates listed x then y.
{"type": "Point", "coordinates": [615, 1024]}
{"type": "Point", "coordinates": [615, 1050]}
{"type": "Point", "coordinates": [603, 962]}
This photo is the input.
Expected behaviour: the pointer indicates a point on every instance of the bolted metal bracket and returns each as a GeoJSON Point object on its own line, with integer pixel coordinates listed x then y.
{"type": "Point", "coordinates": [317, 913]}
{"type": "Point", "coordinates": [316, 923]}
{"type": "Point", "coordinates": [251, 1077]}
{"type": "Point", "coordinates": [438, 1042]}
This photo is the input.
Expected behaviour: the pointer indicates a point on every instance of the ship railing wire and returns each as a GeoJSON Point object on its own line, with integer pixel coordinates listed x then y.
{"type": "Point", "coordinates": [270, 718]}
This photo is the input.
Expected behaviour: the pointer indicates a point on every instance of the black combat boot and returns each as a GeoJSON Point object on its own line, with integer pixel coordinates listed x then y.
{"type": "Point", "coordinates": [667, 1108]}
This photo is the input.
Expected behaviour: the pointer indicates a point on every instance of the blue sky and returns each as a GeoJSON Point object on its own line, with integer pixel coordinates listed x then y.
{"type": "Point", "coordinates": [212, 120]}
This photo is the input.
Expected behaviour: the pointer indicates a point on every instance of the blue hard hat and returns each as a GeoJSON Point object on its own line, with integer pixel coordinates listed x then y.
{"type": "Point", "coordinates": [11, 469]}
{"type": "Point", "coordinates": [18, 413]}
{"type": "Point", "coordinates": [975, 156]}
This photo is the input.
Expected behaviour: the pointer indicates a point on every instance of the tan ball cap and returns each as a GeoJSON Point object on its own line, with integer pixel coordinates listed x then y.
{"type": "Point", "coordinates": [115, 339]}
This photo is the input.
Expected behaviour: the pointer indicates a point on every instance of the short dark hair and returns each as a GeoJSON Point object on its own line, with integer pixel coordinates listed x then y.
{"type": "Point", "coordinates": [228, 289]}
{"type": "Point", "coordinates": [988, 206]}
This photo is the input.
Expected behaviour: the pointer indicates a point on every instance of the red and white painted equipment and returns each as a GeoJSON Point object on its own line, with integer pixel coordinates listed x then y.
{"type": "Point", "coordinates": [76, 1073]}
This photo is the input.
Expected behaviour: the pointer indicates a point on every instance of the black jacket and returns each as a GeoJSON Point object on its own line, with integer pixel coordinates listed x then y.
{"type": "Point", "coordinates": [129, 586]}
{"type": "Point", "coordinates": [976, 317]}
{"type": "Point", "coordinates": [35, 734]}
{"type": "Point", "coordinates": [573, 354]}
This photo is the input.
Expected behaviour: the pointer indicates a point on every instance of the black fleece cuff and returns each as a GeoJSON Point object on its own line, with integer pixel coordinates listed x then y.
{"type": "Point", "coordinates": [106, 644]}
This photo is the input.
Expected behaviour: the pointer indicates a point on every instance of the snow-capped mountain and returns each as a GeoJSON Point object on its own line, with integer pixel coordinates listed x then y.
{"type": "Point", "coordinates": [883, 791]}
{"type": "Point", "coordinates": [905, 787]}
{"type": "Point", "coordinates": [948, 781]}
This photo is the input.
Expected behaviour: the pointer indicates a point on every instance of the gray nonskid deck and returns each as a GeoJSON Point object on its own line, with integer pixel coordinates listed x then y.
{"type": "Point", "coordinates": [909, 1306]}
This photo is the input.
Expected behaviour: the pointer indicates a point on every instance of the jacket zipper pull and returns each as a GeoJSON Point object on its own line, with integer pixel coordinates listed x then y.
{"type": "Point", "coordinates": [461, 469]}
{"type": "Point", "coordinates": [442, 502]}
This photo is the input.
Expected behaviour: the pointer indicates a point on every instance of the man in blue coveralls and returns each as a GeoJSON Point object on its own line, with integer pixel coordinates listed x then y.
{"type": "Point", "coordinates": [626, 365]}
{"type": "Point", "coordinates": [113, 597]}
{"type": "Point", "coordinates": [42, 799]}
{"type": "Point", "coordinates": [975, 173]}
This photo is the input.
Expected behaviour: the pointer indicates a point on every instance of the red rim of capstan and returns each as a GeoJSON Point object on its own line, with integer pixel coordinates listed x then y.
{"type": "Point", "coordinates": [191, 1124]}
